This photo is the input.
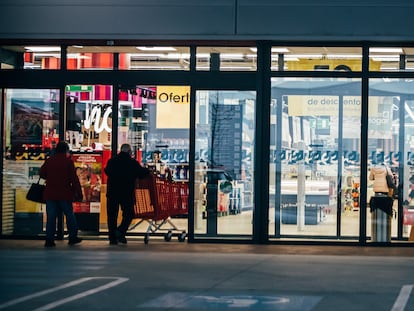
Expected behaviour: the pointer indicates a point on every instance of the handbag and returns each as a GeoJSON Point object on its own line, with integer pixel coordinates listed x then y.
{"type": "Point", "coordinates": [392, 188]}
{"type": "Point", "coordinates": [35, 192]}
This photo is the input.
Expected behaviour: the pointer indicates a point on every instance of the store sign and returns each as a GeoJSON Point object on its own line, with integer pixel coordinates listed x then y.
{"type": "Point", "coordinates": [173, 94]}
{"type": "Point", "coordinates": [323, 105]}
{"type": "Point", "coordinates": [98, 116]}
{"type": "Point", "coordinates": [173, 107]}
{"type": "Point", "coordinates": [79, 88]}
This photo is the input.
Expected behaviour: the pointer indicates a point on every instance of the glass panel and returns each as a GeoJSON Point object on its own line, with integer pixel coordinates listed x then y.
{"type": "Point", "coordinates": [31, 119]}
{"type": "Point", "coordinates": [156, 58]}
{"type": "Point", "coordinates": [30, 57]}
{"type": "Point", "coordinates": [315, 143]}
{"type": "Point", "coordinates": [129, 58]}
{"type": "Point", "coordinates": [301, 58]}
{"type": "Point", "coordinates": [391, 119]}
{"type": "Point", "coordinates": [90, 57]}
{"type": "Point", "coordinates": [224, 173]}
{"type": "Point", "coordinates": [155, 120]}
{"type": "Point", "coordinates": [391, 59]}
{"type": "Point", "coordinates": [88, 133]}
{"type": "Point", "coordinates": [226, 58]}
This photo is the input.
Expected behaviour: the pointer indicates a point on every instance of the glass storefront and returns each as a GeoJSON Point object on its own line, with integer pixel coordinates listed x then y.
{"type": "Point", "coordinates": [328, 115]}
{"type": "Point", "coordinates": [390, 144]}
{"type": "Point", "coordinates": [224, 175]}
{"type": "Point", "coordinates": [315, 139]}
{"type": "Point", "coordinates": [31, 127]}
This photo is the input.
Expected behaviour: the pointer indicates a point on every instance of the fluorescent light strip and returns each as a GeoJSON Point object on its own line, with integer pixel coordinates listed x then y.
{"type": "Point", "coordinates": [156, 67]}
{"type": "Point", "coordinates": [385, 59]}
{"type": "Point", "coordinates": [274, 50]}
{"type": "Point", "coordinates": [385, 50]}
{"type": "Point", "coordinates": [344, 56]}
{"type": "Point", "coordinates": [231, 56]}
{"type": "Point", "coordinates": [42, 48]}
{"type": "Point", "coordinates": [156, 48]}
{"type": "Point", "coordinates": [307, 56]}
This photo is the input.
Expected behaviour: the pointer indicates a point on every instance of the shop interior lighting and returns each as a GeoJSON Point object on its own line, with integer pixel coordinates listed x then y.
{"type": "Point", "coordinates": [306, 56]}
{"type": "Point", "coordinates": [385, 58]}
{"type": "Point", "coordinates": [146, 56]}
{"type": "Point", "coordinates": [231, 56]}
{"type": "Point", "coordinates": [290, 58]}
{"type": "Point", "coordinates": [178, 55]}
{"type": "Point", "coordinates": [203, 55]}
{"type": "Point", "coordinates": [156, 67]}
{"type": "Point", "coordinates": [40, 55]}
{"type": "Point", "coordinates": [274, 50]}
{"type": "Point", "coordinates": [42, 48]}
{"type": "Point", "coordinates": [385, 50]}
{"type": "Point", "coordinates": [389, 68]}
{"type": "Point", "coordinates": [344, 56]}
{"type": "Point", "coordinates": [237, 68]}
{"type": "Point", "coordinates": [156, 48]}
{"type": "Point", "coordinates": [77, 55]}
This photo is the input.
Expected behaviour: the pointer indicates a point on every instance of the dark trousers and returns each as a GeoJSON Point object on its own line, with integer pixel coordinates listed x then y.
{"type": "Point", "coordinates": [127, 207]}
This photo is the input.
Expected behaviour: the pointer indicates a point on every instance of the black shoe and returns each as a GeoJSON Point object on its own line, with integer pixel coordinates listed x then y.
{"type": "Point", "coordinates": [50, 243]}
{"type": "Point", "coordinates": [120, 237]}
{"type": "Point", "coordinates": [113, 242]}
{"type": "Point", "coordinates": [74, 241]}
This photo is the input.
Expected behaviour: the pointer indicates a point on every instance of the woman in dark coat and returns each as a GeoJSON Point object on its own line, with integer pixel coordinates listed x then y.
{"type": "Point", "coordinates": [62, 187]}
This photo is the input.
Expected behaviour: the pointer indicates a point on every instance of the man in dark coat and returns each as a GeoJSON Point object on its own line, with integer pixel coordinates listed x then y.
{"type": "Point", "coordinates": [122, 171]}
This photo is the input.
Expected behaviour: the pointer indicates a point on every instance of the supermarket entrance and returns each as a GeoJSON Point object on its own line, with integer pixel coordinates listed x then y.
{"type": "Point", "coordinates": [155, 120]}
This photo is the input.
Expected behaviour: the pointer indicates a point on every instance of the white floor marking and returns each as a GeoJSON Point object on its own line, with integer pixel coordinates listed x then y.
{"type": "Point", "coordinates": [118, 280]}
{"type": "Point", "coordinates": [402, 299]}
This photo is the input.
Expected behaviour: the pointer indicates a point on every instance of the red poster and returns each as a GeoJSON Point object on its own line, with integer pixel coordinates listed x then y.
{"type": "Point", "coordinates": [89, 170]}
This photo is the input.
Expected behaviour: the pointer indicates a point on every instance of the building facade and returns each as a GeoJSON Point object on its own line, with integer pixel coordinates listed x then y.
{"type": "Point", "coordinates": [269, 115]}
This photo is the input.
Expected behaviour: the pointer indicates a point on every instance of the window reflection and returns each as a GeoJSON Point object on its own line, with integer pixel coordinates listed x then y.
{"type": "Point", "coordinates": [224, 162]}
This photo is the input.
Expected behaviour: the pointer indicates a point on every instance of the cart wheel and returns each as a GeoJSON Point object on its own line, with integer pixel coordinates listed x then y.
{"type": "Point", "coordinates": [146, 238]}
{"type": "Point", "coordinates": [182, 236]}
{"type": "Point", "coordinates": [168, 236]}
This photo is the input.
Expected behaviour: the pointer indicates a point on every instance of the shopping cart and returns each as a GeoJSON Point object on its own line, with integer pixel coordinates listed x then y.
{"type": "Point", "coordinates": [156, 201]}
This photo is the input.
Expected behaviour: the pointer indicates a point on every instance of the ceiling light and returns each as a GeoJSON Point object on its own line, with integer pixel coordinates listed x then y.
{"type": "Point", "coordinates": [231, 55]}
{"type": "Point", "coordinates": [156, 48]}
{"type": "Point", "coordinates": [178, 55]}
{"type": "Point", "coordinates": [385, 50]}
{"type": "Point", "coordinates": [386, 58]}
{"type": "Point", "coordinates": [307, 56]}
{"type": "Point", "coordinates": [42, 48]}
{"type": "Point", "coordinates": [274, 50]}
{"type": "Point", "coordinates": [290, 58]}
{"type": "Point", "coordinates": [280, 50]}
{"type": "Point", "coordinates": [203, 55]}
{"type": "Point", "coordinates": [343, 56]}
{"type": "Point", "coordinates": [156, 67]}
{"type": "Point", "coordinates": [145, 56]}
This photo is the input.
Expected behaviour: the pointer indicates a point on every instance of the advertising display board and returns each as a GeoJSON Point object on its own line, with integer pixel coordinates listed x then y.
{"type": "Point", "coordinates": [89, 170]}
